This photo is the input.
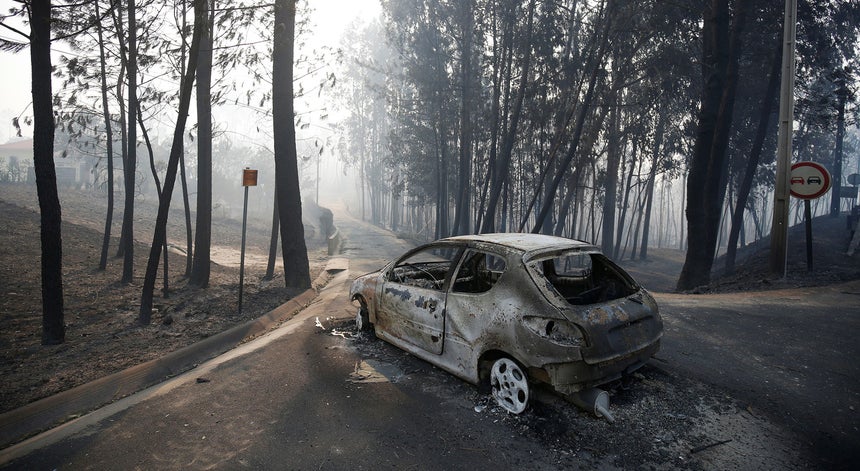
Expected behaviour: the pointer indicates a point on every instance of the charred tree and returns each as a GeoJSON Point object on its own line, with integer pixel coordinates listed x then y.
{"type": "Point", "coordinates": [130, 164]}
{"type": "Point", "coordinates": [768, 103]}
{"type": "Point", "coordinates": [652, 178]}
{"type": "Point", "coordinates": [53, 328]}
{"type": "Point", "coordinates": [116, 15]}
{"type": "Point", "coordinates": [495, 110]}
{"type": "Point", "coordinates": [835, 194]}
{"type": "Point", "coordinates": [160, 235]}
{"type": "Point", "coordinates": [108, 143]}
{"type": "Point", "coordinates": [203, 238]}
{"type": "Point", "coordinates": [705, 183]}
{"type": "Point", "coordinates": [293, 249]}
{"type": "Point", "coordinates": [613, 161]}
{"type": "Point", "coordinates": [500, 175]}
{"type": "Point", "coordinates": [463, 209]}
{"type": "Point", "coordinates": [189, 238]}
{"type": "Point", "coordinates": [582, 113]}
{"type": "Point", "coordinates": [165, 290]}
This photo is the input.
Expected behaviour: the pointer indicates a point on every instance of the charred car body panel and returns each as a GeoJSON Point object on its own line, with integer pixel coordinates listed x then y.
{"type": "Point", "coordinates": [557, 307]}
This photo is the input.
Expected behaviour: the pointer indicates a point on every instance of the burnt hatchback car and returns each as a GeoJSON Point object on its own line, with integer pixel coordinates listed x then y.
{"type": "Point", "coordinates": [505, 310]}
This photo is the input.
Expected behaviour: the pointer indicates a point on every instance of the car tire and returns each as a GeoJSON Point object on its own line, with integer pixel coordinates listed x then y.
{"type": "Point", "coordinates": [509, 385]}
{"type": "Point", "coordinates": [362, 319]}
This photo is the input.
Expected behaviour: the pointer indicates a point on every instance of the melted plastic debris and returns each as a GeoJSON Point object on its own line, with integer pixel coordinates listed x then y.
{"type": "Point", "coordinates": [375, 371]}
{"type": "Point", "coordinates": [343, 333]}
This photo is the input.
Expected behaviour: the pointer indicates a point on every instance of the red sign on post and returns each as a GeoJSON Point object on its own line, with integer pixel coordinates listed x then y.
{"type": "Point", "coordinates": [809, 180]}
{"type": "Point", "coordinates": [249, 177]}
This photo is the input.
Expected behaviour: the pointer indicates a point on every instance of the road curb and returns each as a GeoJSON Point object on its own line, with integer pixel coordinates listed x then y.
{"type": "Point", "coordinates": [43, 414]}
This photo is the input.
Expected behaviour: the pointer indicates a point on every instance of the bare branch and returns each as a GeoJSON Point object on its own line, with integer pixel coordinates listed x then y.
{"type": "Point", "coordinates": [14, 30]}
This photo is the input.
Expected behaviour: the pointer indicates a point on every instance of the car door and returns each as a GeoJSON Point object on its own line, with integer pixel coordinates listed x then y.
{"type": "Point", "coordinates": [411, 305]}
{"type": "Point", "coordinates": [471, 305]}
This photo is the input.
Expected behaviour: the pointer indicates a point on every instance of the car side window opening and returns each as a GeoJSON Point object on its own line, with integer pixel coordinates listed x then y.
{"type": "Point", "coordinates": [427, 268]}
{"type": "Point", "coordinates": [478, 273]}
{"type": "Point", "coordinates": [584, 278]}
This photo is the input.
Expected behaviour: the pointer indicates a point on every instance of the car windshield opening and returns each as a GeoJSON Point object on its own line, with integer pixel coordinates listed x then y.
{"type": "Point", "coordinates": [584, 278]}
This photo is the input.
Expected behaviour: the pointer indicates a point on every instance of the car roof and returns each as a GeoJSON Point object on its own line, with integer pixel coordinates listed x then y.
{"type": "Point", "coordinates": [525, 242]}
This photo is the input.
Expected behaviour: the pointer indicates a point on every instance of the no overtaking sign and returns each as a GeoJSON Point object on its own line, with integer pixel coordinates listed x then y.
{"type": "Point", "coordinates": [809, 180]}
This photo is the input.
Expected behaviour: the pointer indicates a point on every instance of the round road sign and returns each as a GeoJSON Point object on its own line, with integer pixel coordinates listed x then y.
{"type": "Point", "coordinates": [809, 180]}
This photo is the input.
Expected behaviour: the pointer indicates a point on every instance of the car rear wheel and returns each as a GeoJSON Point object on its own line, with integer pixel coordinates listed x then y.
{"type": "Point", "coordinates": [362, 319]}
{"type": "Point", "coordinates": [510, 386]}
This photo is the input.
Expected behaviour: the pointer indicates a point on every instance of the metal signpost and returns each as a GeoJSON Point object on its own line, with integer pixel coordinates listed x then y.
{"type": "Point", "coordinates": [249, 178]}
{"type": "Point", "coordinates": [809, 181]}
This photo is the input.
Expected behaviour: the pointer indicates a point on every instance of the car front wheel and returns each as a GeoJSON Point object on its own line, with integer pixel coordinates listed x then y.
{"type": "Point", "coordinates": [510, 386]}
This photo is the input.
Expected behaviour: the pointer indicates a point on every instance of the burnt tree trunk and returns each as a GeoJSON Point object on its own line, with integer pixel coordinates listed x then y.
{"type": "Point", "coordinates": [130, 167]}
{"type": "Point", "coordinates": [293, 249]}
{"type": "Point", "coordinates": [203, 237]}
{"type": "Point", "coordinates": [652, 179]}
{"type": "Point", "coordinates": [495, 110]}
{"type": "Point", "coordinates": [160, 236]}
{"type": "Point", "coordinates": [705, 180]}
{"type": "Point", "coordinates": [504, 158]}
{"type": "Point", "coordinates": [582, 112]}
{"type": "Point", "coordinates": [768, 103]}
{"type": "Point", "coordinates": [116, 15]}
{"type": "Point", "coordinates": [463, 208]}
{"type": "Point", "coordinates": [625, 202]}
{"type": "Point", "coordinates": [835, 193]}
{"type": "Point", "coordinates": [53, 328]}
{"type": "Point", "coordinates": [165, 290]}
{"type": "Point", "coordinates": [108, 143]}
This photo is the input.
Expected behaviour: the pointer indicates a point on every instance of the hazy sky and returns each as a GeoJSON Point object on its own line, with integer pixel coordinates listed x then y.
{"type": "Point", "coordinates": [330, 18]}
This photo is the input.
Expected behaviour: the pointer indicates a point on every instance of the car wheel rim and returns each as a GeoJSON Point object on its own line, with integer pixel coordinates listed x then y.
{"type": "Point", "coordinates": [510, 385]}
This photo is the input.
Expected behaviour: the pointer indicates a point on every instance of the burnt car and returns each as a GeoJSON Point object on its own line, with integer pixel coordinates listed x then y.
{"type": "Point", "coordinates": [504, 311]}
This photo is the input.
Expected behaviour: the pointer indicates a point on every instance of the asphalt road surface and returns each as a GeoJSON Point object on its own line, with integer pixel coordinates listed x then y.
{"type": "Point", "coordinates": [790, 354]}
{"type": "Point", "coordinates": [741, 383]}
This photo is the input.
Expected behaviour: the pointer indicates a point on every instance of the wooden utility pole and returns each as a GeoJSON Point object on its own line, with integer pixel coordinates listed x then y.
{"type": "Point", "coordinates": [781, 197]}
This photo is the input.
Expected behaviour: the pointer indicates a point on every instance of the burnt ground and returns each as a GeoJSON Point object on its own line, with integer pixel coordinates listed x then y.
{"type": "Point", "coordinates": [102, 332]}
{"type": "Point", "coordinates": [831, 265]}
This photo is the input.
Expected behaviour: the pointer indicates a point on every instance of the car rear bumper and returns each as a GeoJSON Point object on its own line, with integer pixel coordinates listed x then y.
{"type": "Point", "coordinates": [568, 378]}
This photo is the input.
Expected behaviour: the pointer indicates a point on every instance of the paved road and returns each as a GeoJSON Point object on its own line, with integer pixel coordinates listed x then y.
{"type": "Point", "coordinates": [790, 354]}
{"type": "Point", "coordinates": [778, 381]}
